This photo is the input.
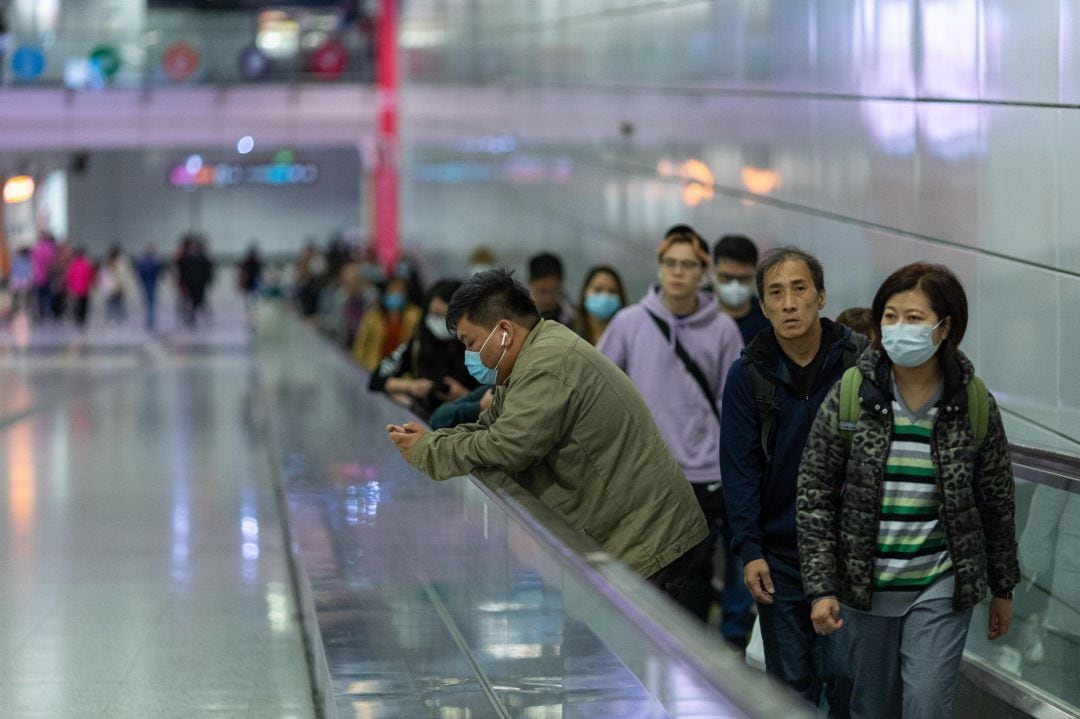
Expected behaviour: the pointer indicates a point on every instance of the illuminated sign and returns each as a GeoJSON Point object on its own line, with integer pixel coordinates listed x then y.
{"type": "Point", "coordinates": [188, 175]}
{"type": "Point", "coordinates": [18, 189]}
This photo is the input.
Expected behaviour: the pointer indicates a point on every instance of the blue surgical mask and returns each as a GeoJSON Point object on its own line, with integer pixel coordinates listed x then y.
{"type": "Point", "coordinates": [394, 301]}
{"type": "Point", "coordinates": [436, 325]}
{"type": "Point", "coordinates": [602, 305]}
{"type": "Point", "coordinates": [480, 371]}
{"type": "Point", "coordinates": [909, 345]}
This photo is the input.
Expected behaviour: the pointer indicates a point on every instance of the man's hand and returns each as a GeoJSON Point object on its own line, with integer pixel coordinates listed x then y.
{"type": "Point", "coordinates": [485, 401]}
{"type": "Point", "coordinates": [420, 388]}
{"type": "Point", "coordinates": [1000, 618]}
{"type": "Point", "coordinates": [759, 581]}
{"type": "Point", "coordinates": [454, 390]}
{"type": "Point", "coordinates": [825, 614]}
{"type": "Point", "coordinates": [404, 437]}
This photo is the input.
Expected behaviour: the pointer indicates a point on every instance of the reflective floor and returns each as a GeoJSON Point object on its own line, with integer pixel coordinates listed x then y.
{"type": "Point", "coordinates": [142, 567]}
{"type": "Point", "coordinates": [430, 602]}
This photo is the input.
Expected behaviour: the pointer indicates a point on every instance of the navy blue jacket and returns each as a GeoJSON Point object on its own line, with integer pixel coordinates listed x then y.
{"type": "Point", "coordinates": [759, 494]}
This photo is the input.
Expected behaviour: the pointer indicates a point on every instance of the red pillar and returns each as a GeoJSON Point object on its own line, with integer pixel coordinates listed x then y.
{"type": "Point", "coordinates": [385, 204]}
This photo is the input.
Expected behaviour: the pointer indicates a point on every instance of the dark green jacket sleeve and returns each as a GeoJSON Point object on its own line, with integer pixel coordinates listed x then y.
{"type": "Point", "coordinates": [525, 421]}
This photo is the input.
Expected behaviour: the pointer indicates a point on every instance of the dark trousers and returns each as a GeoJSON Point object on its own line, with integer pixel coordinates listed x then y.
{"type": "Point", "coordinates": [735, 601]}
{"type": "Point", "coordinates": [671, 580]}
{"type": "Point", "coordinates": [812, 665]}
{"type": "Point", "coordinates": [82, 307]}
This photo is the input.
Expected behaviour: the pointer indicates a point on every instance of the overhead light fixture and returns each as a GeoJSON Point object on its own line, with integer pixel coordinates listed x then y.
{"type": "Point", "coordinates": [19, 188]}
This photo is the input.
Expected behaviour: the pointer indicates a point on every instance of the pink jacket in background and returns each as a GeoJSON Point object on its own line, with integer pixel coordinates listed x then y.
{"type": "Point", "coordinates": [42, 256]}
{"type": "Point", "coordinates": [80, 277]}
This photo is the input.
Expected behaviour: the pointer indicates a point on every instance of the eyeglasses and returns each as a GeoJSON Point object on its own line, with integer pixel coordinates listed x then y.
{"type": "Point", "coordinates": [684, 265]}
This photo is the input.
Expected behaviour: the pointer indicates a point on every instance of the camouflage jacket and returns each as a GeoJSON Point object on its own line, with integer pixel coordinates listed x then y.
{"type": "Point", "coordinates": [839, 493]}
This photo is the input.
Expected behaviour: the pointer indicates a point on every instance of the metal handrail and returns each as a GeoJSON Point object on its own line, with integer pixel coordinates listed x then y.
{"type": "Point", "coordinates": [1044, 466]}
{"type": "Point", "coordinates": [664, 625]}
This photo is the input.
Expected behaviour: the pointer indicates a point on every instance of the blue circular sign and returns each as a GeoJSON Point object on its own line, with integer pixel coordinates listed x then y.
{"type": "Point", "coordinates": [28, 62]}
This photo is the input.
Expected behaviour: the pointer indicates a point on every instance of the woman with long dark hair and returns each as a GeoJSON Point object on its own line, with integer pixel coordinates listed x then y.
{"type": "Point", "coordinates": [602, 295]}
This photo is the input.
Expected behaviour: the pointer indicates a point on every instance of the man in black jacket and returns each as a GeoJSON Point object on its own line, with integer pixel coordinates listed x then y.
{"type": "Point", "coordinates": [770, 400]}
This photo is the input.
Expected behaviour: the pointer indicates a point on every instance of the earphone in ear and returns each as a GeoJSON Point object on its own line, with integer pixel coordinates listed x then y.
{"type": "Point", "coordinates": [505, 335]}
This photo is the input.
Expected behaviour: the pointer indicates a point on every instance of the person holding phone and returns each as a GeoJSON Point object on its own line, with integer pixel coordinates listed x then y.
{"type": "Point", "coordinates": [569, 427]}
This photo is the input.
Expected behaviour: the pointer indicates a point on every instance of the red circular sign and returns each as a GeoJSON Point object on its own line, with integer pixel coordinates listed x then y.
{"type": "Point", "coordinates": [180, 61]}
{"type": "Point", "coordinates": [330, 60]}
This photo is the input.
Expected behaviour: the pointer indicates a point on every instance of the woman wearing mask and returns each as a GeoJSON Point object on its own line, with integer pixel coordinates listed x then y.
{"type": "Point", "coordinates": [386, 325]}
{"type": "Point", "coordinates": [905, 503]}
{"type": "Point", "coordinates": [429, 367]}
{"type": "Point", "coordinates": [602, 295]}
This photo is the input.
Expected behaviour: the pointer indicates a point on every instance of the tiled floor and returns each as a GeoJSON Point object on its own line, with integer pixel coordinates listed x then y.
{"type": "Point", "coordinates": [142, 566]}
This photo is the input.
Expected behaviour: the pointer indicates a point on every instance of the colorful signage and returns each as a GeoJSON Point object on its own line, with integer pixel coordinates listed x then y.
{"type": "Point", "coordinates": [225, 174]}
{"type": "Point", "coordinates": [180, 61]}
{"type": "Point", "coordinates": [28, 62]}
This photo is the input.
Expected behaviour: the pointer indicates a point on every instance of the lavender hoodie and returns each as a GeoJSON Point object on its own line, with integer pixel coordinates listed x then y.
{"type": "Point", "coordinates": [685, 420]}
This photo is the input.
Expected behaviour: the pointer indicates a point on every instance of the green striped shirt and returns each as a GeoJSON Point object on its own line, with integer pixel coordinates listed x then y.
{"type": "Point", "coordinates": [911, 551]}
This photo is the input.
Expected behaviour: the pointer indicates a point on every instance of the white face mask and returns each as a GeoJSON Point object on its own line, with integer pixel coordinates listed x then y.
{"type": "Point", "coordinates": [909, 345]}
{"type": "Point", "coordinates": [436, 324]}
{"type": "Point", "coordinates": [733, 293]}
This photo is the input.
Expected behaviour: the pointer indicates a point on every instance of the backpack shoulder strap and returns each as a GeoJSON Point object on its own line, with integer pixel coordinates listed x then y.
{"type": "Point", "coordinates": [978, 409]}
{"type": "Point", "coordinates": [767, 404]}
{"type": "Point", "coordinates": [850, 383]}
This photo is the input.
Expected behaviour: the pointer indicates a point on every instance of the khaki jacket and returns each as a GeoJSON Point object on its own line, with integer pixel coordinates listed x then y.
{"type": "Point", "coordinates": [571, 428]}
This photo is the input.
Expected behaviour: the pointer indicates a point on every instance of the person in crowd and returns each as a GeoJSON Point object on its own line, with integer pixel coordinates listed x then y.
{"type": "Point", "coordinates": [149, 269]}
{"type": "Point", "coordinates": [195, 272]}
{"type": "Point", "coordinates": [249, 272]}
{"type": "Point", "coordinates": [860, 319]}
{"type": "Point", "coordinates": [21, 281]}
{"type": "Point", "coordinates": [386, 325]}
{"type": "Point", "coordinates": [308, 278]}
{"type": "Point", "coordinates": [769, 403]}
{"type": "Point", "coordinates": [908, 520]}
{"type": "Point", "coordinates": [602, 295]}
{"type": "Point", "coordinates": [569, 427]}
{"type": "Point", "coordinates": [78, 281]}
{"type": "Point", "coordinates": [481, 259]}
{"type": "Point", "coordinates": [546, 288]}
{"type": "Point", "coordinates": [43, 258]}
{"type": "Point", "coordinates": [407, 268]}
{"type": "Point", "coordinates": [344, 303]}
{"type": "Point", "coordinates": [429, 367]}
{"type": "Point", "coordinates": [735, 258]}
{"type": "Point", "coordinates": [113, 280]}
{"type": "Point", "coordinates": [676, 346]}
{"type": "Point", "coordinates": [58, 288]}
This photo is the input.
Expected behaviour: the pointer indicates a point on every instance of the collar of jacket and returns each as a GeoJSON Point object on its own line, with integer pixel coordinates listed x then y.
{"type": "Point", "coordinates": [524, 354]}
{"type": "Point", "coordinates": [764, 351]}
{"type": "Point", "coordinates": [876, 369]}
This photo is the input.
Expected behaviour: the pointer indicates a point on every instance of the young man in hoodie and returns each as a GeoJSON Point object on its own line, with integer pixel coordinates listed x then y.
{"type": "Point", "coordinates": [676, 346]}
{"type": "Point", "coordinates": [770, 401]}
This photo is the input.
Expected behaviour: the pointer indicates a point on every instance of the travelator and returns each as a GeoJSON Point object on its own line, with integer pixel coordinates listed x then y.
{"type": "Point", "coordinates": [468, 598]}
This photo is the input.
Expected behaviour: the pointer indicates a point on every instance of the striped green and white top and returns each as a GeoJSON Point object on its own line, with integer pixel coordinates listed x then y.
{"type": "Point", "coordinates": [912, 551]}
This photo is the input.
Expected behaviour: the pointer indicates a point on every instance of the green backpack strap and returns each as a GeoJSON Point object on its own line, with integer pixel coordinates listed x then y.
{"type": "Point", "coordinates": [849, 403]}
{"type": "Point", "coordinates": [978, 409]}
